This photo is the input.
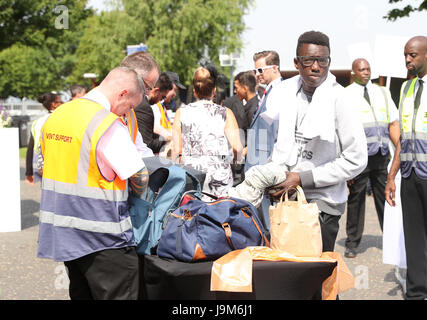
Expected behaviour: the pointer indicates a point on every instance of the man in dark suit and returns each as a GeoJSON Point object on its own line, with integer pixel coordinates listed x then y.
{"type": "Point", "coordinates": [145, 116]}
{"type": "Point", "coordinates": [147, 68]}
{"type": "Point", "coordinates": [245, 86]}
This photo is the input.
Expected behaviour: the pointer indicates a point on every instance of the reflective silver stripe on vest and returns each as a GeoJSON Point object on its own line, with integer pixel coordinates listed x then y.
{"type": "Point", "coordinates": [374, 124]}
{"type": "Point", "coordinates": [409, 157]}
{"type": "Point", "coordinates": [85, 148]}
{"type": "Point", "coordinates": [84, 191]}
{"type": "Point", "coordinates": [133, 124]}
{"type": "Point", "coordinates": [418, 135]}
{"type": "Point", "coordinates": [374, 139]}
{"type": "Point", "coordinates": [85, 225]}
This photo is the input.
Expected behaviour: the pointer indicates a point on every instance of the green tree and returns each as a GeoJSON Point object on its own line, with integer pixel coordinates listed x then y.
{"type": "Point", "coordinates": [39, 25]}
{"type": "Point", "coordinates": [26, 71]}
{"type": "Point", "coordinates": [179, 34]}
{"type": "Point", "coordinates": [396, 13]}
{"type": "Point", "coordinates": [103, 44]}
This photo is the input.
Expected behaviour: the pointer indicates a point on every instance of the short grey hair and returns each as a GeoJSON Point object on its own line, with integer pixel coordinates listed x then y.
{"type": "Point", "coordinates": [142, 62]}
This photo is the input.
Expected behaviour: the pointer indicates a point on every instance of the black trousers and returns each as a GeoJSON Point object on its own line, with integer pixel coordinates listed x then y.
{"type": "Point", "coordinates": [329, 225]}
{"type": "Point", "coordinates": [238, 173]}
{"type": "Point", "coordinates": [105, 275]}
{"type": "Point", "coordinates": [376, 173]}
{"type": "Point", "coordinates": [414, 210]}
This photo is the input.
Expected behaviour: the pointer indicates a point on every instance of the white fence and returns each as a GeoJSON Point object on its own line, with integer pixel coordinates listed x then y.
{"type": "Point", "coordinates": [23, 114]}
{"type": "Point", "coordinates": [25, 108]}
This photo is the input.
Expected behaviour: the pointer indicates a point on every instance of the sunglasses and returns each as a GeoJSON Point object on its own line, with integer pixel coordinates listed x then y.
{"type": "Point", "coordinates": [261, 70]}
{"type": "Point", "coordinates": [308, 61]}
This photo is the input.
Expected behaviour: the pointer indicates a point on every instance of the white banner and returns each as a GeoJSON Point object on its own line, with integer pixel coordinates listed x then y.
{"type": "Point", "coordinates": [10, 197]}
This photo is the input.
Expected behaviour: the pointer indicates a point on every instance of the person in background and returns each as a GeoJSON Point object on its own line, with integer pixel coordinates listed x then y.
{"type": "Point", "coordinates": [262, 134]}
{"type": "Point", "coordinates": [77, 91]}
{"type": "Point", "coordinates": [411, 157]}
{"type": "Point", "coordinates": [380, 121]}
{"type": "Point", "coordinates": [173, 101]}
{"type": "Point", "coordinates": [147, 68]}
{"type": "Point", "coordinates": [236, 105]}
{"type": "Point", "coordinates": [202, 132]}
{"type": "Point", "coordinates": [157, 94]}
{"type": "Point", "coordinates": [50, 101]}
{"type": "Point", "coordinates": [245, 84]}
{"type": "Point", "coordinates": [162, 125]}
{"type": "Point", "coordinates": [162, 122]}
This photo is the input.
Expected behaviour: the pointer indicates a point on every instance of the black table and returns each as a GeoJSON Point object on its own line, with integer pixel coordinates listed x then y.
{"type": "Point", "coordinates": [279, 280]}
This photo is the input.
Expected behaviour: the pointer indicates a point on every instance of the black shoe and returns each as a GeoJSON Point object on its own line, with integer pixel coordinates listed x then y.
{"type": "Point", "coordinates": [350, 253]}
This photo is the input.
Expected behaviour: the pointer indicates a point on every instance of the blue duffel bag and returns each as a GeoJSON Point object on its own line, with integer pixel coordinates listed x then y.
{"type": "Point", "coordinates": [205, 231]}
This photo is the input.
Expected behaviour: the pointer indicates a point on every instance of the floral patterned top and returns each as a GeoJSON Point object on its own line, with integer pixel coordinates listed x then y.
{"type": "Point", "coordinates": [205, 146]}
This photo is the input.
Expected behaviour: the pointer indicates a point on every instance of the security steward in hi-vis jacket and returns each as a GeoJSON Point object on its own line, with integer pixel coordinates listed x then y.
{"type": "Point", "coordinates": [88, 157]}
{"type": "Point", "coordinates": [411, 158]}
{"type": "Point", "coordinates": [380, 122]}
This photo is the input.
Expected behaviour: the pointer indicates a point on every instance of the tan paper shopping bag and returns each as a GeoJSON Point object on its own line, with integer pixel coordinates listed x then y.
{"type": "Point", "coordinates": [295, 226]}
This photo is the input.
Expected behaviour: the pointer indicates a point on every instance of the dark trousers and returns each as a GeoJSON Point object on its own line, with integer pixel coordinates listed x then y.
{"type": "Point", "coordinates": [105, 275]}
{"type": "Point", "coordinates": [329, 225]}
{"type": "Point", "coordinates": [414, 211]}
{"type": "Point", "coordinates": [376, 173]}
{"type": "Point", "coordinates": [238, 173]}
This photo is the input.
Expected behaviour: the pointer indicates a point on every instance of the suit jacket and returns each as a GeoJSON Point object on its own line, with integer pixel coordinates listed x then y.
{"type": "Point", "coordinates": [145, 117]}
{"type": "Point", "coordinates": [250, 108]}
{"type": "Point", "coordinates": [235, 105]}
{"type": "Point", "coordinates": [261, 139]}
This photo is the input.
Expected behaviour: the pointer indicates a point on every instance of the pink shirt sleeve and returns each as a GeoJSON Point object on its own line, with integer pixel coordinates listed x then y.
{"type": "Point", "coordinates": [116, 154]}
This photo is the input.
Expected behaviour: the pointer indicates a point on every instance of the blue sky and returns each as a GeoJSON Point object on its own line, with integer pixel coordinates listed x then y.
{"type": "Point", "coordinates": [354, 28]}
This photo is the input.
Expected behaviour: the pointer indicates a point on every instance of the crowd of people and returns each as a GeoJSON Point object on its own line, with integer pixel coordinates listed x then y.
{"type": "Point", "coordinates": [308, 130]}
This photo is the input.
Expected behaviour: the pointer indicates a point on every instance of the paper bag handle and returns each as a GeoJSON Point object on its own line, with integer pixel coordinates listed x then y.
{"type": "Point", "coordinates": [301, 196]}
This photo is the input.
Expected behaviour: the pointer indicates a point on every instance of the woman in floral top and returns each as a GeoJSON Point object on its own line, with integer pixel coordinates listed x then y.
{"type": "Point", "coordinates": [206, 135]}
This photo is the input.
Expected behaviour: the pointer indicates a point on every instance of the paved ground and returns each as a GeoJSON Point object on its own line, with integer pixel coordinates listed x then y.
{"type": "Point", "coordinates": [25, 277]}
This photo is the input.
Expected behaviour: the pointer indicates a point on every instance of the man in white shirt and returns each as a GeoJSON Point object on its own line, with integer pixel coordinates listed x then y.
{"type": "Point", "coordinates": [380, 121]}
{"type": "Point", "coordinates": [262, 134]}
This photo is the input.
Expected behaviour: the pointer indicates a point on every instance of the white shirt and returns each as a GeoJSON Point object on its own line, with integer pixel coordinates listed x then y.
{"type": "Point", "coordinates": [116, 153]}
{"type": "Point", "coordinates": [423, 95]}
{"type": "Point", "coordinates": [274, 101]}
{"type": "Point", "coordinates": [379, 97]}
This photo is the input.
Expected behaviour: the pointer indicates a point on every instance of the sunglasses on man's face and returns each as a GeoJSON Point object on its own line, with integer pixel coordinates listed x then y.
{"type": "Point", "coordinates": [261, 70]}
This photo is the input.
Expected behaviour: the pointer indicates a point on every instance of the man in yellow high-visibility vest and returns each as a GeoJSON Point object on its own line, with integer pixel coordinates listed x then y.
{"type": "Point", "coordinates": [88, 157]}
{"type": "Point", "coordinates": [411, 158]}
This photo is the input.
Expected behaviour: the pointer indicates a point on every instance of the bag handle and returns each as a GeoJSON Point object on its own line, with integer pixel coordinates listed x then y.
{"type": "Point", "coordinates": [300, 198]}
{"type": "Point", "coordinates": [197, 194]}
